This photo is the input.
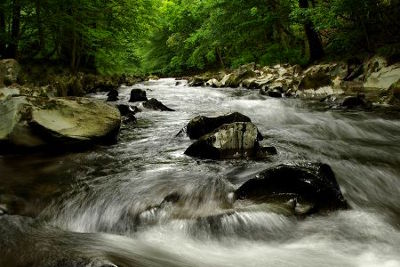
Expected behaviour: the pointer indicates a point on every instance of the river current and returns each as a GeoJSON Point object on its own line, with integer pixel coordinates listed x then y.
{"type": "Point", "coordinates": [104, 204]}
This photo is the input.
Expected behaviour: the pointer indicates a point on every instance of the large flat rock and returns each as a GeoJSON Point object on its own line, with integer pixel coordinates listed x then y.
{"type": "Point", "coordinates": [36, 121]}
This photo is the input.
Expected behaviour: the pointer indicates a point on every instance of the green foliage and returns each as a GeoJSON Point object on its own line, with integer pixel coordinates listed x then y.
{"type": "Point", "coordinates": [174, 37]}
{"type": "Point", "coordinates": [79, 33]}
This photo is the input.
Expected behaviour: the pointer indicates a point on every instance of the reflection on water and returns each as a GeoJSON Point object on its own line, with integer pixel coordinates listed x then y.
{"type": "Point", "coordinates": [107, 204]}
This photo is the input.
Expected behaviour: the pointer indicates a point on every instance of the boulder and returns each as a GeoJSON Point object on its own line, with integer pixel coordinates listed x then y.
{"type": "Point", "coordinates": [355, 101]}
{"type": "Point", "coordinates": [138, 95]}
{"type": "Point", "coordinates": [112, 95]}
{"type": "Point", "coordinates": [394, 93]}
{"type": "Point", "coordinates": [202, 125]}
{"type": "Point", "coordinates": [9, 91]}
{"type": "Point", "coordinates": [9, 71]}
{"type": "Point", "coordinates": [238, 76]}
{"type": "Point", "coordinates": [275, 93]}
{"type": "Point", "coordinates": [318, 76]}
{"type": "Point", "coordinates": [154, 104]}
{"type": "Point", "coordinates": [314, 78]}
{"type": "Point", "coordinates": [258, 82]}
{"type": "Point", "coordinates": [275, 90]}
{"type": "Point", "coordinates": [29, 122]}
{"type": "Point", "coordinates": [375, 64]}
{"type": "Point", "coordinates": [234, 140]}
{"type": "Point", "coordinates": [304, 184]}
{"type": "Point", "coordinates": [201, 80]}
{"type": "Point", "coordinates": [384, 78]}
{"type": "Point", "coordinates": [224, 79]}
{"type": "Point", "coordinates": [153, 77]}
{"type": "Point", "coordinates": [196, 81]}
{"type": "Point", "coordinates": [213, 83]}
{"type": "Point", "coordinates": [128, 112]}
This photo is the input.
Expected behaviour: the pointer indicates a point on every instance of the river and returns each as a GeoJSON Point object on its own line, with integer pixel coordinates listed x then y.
{"type": "Point", "coordinates": [104, 204]}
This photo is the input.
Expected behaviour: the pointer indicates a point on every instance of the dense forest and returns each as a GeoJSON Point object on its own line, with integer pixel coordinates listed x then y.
{"type": "Point", "coordinates": [170, 37]}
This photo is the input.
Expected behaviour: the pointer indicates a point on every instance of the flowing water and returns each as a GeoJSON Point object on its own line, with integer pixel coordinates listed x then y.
{"type": "Point", "coordinates": [104, 204]}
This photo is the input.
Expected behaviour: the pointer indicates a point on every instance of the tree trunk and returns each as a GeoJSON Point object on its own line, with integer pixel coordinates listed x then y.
{"type": "Point", "coordinates": [73, 52]}
{"type": "Point", "coordinates": [314, 42]}
{"type": "Point", "coordinates": [220, 57]}
{"type": "Point", "coordinates": [12, 49]}
{"type": "Point", "coordinates": [2, 33]}
{"type": "Point", "coordinates": [39, 24]}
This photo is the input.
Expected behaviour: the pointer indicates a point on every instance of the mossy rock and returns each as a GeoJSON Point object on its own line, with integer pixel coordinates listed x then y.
{"type": "Point", "coordinates": [30, 122]}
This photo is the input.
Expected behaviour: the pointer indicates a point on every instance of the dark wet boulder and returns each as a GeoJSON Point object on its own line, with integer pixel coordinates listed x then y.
{"type": "Point", "coordinates": [112, 95]}
{"type": "Point", "coordinates": [234, 140]}
{"type": "Point", "coordinates": [126, 110]}
{"type": "Point", "coordinates": [138, 95]}
{"type": "Point", "coordinates": [355, 101]}
{"type": "Point", "coordinates": [202, 125]}
{"type": "Point", "coordinates": [275, 93]}
{"type": "Point", "coordinates": [154, 104]}
{"type": "Point", "coordinates": [304, 184]}
{"type": "Point", "coordinates": [128, 113]}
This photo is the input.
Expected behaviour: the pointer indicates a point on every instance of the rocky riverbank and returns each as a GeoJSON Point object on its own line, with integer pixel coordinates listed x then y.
{"type": "Point", "coordinates": [53, 111]}
{"type": "Point", "coordinates": [351, 84]}
{"type": "Point", "coordinates": [52, 82]}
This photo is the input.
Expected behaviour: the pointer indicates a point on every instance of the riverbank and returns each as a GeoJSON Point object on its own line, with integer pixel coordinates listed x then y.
{"type": "Point", "coordinates": [355, 83]}
{"type": "Point", "coordinates": [56, 81]}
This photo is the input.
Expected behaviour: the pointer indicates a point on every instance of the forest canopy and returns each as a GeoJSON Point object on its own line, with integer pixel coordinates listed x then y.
{"type": "Point", "coordinates": [171, 37]}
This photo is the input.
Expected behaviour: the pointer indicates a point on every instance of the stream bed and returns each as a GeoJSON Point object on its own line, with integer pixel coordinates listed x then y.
{"type": "Point", "coordinates": [102, 207]}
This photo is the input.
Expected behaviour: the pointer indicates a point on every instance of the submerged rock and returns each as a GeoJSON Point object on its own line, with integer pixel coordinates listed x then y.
{"type": "Point", "coordinates": [311, 185]}
{"type": "Point", "coordinates": [202, 125]}
{"type": "Point", "coordinates": [275, 93]}
{"type": "Point", "coordinates": [112, 95]}
{"type": "Point", "coordinates": [138, 95]}
{"type": "Point", "coordinates": [154, 104]}
{"type": "Point", "coordinates": [234, 140]}
{"type": "Point", "coordinates": [355, 101]}
{"type": "Point", "coordinates": [128, 113]}
{"type": "Point", "coordinates": [35, 121]}
{"type": "Point", "coordinates": [127, 110]}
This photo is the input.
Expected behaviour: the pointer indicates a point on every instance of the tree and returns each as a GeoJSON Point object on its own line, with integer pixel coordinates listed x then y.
{"type": "Point", "coordinates": [314, 42]}
{"type": "Point", "coordinates": [12, 48]}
